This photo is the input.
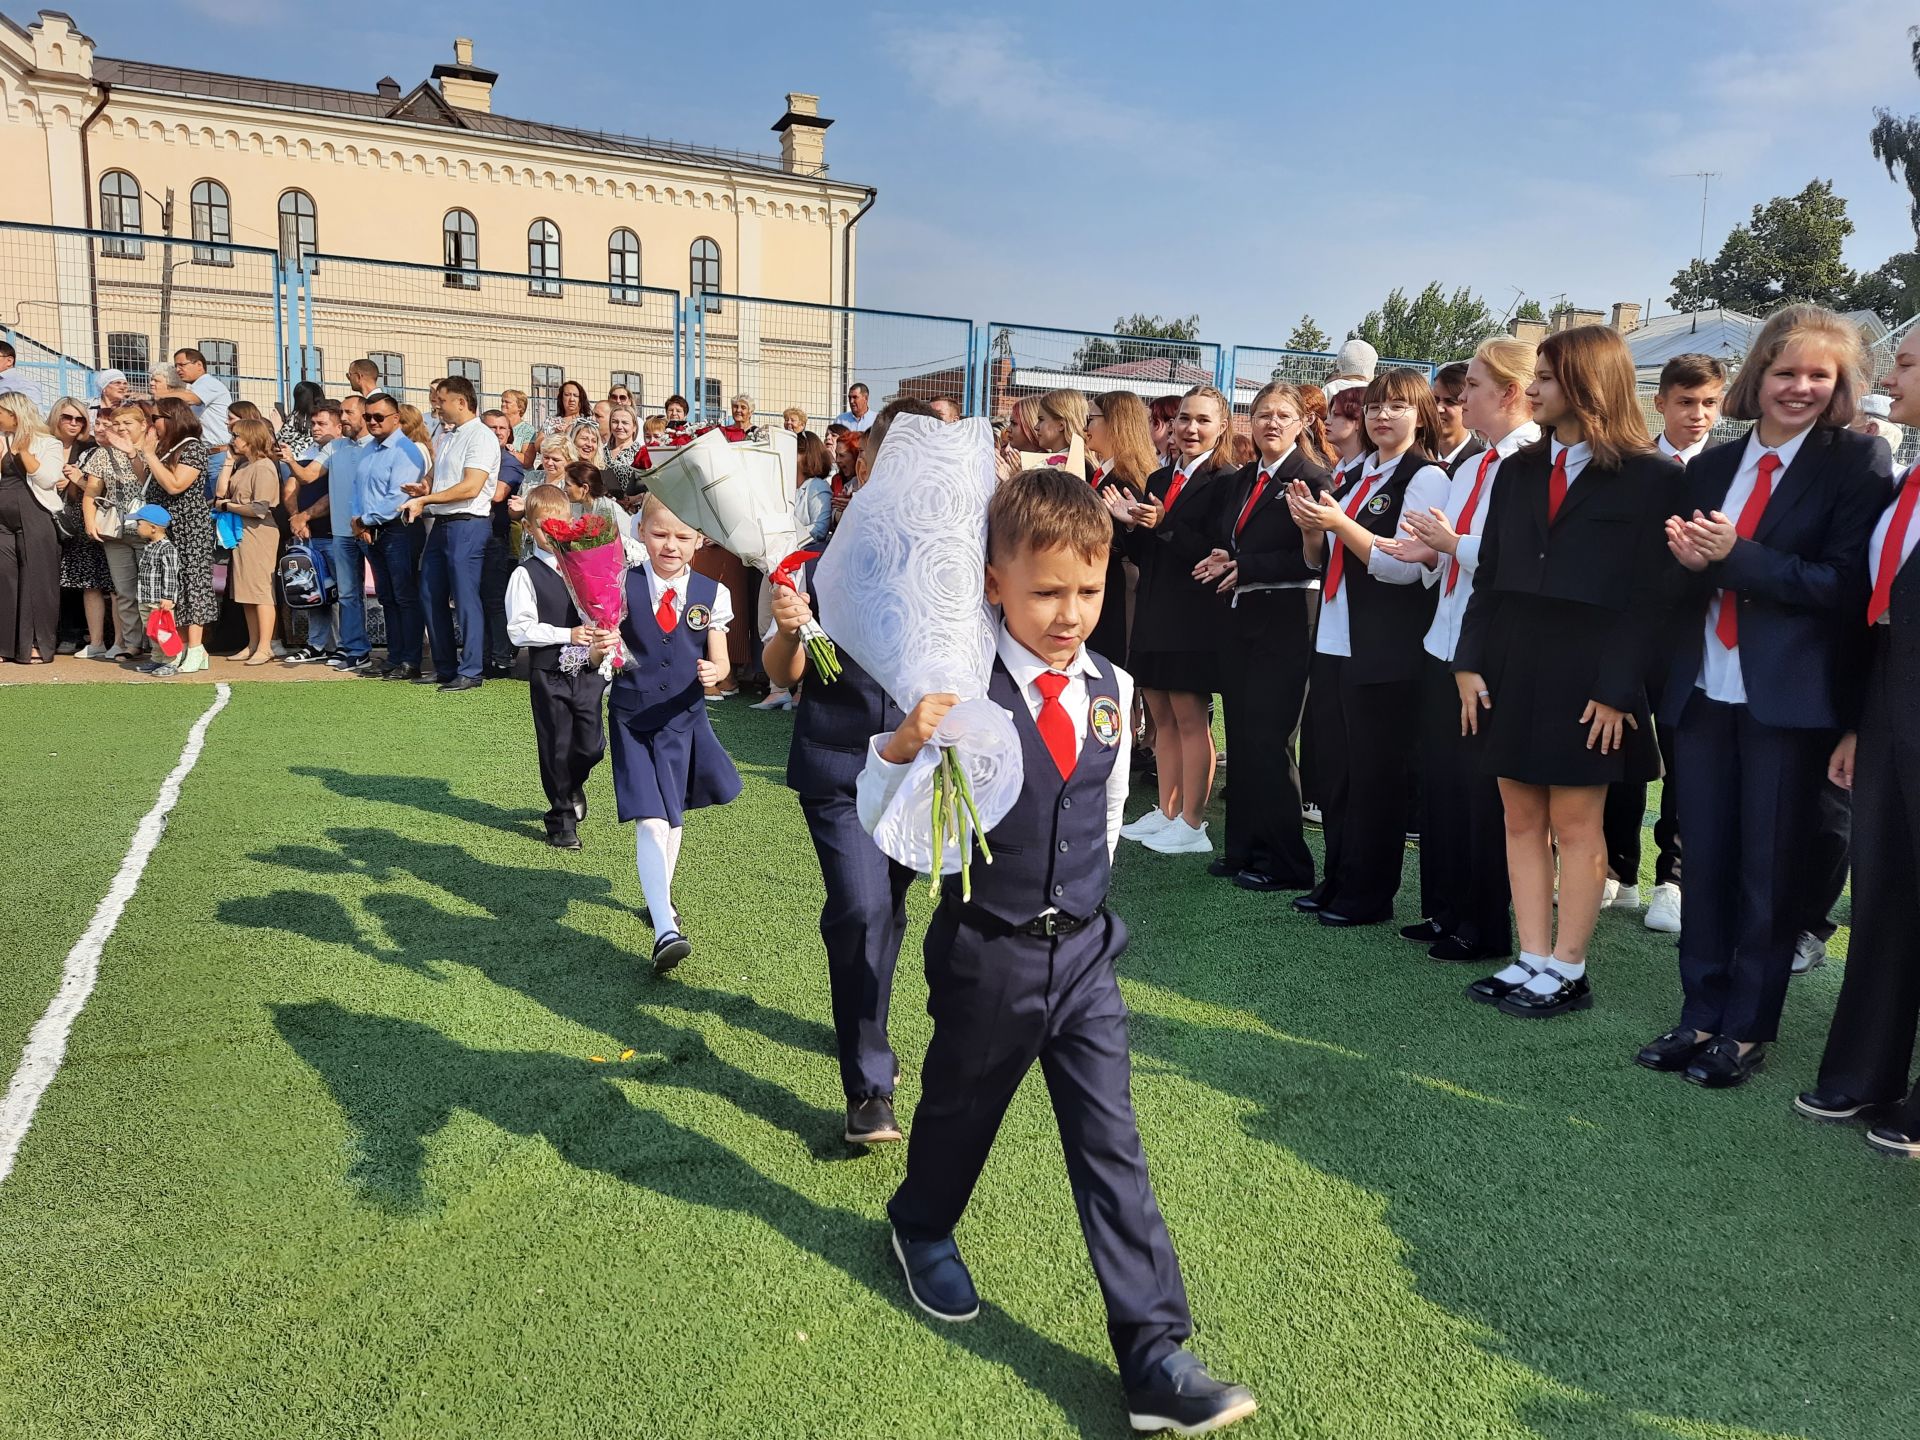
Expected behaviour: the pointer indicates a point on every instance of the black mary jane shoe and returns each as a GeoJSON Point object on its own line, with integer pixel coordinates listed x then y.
{"type": "Point", "coordinates": [1426, 932]}
{"type": "Point", "coordinates": [669, 950]}
{"type": "Point", "coordinates": [1675, 1050]}
{"type": "Point", "coordinates": [1491, 990]}
{"type": "Point", "coordinates": [1567, 997]}
{"type": "Point", "coordinates": [1721, 1066]}
{"type": "Point", "coordinates": [1456, 951]}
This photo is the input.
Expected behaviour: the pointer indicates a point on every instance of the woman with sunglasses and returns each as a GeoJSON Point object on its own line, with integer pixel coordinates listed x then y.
{"type": "Point", "coordinates": [83, 563]}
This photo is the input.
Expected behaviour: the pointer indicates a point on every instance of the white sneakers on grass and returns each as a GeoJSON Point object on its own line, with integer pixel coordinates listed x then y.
{"type": "Point", "coordinates": [1179, 838]}
{"type": "Point", "coordinates": [1146, 826]}
{"type": "Point", "coordinates": [1663, 910]}
{"type": "Point", "coordinates": [1616, 896]}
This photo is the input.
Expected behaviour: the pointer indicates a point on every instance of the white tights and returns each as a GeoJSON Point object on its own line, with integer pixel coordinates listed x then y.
{"type": "Point", "coordinates": [656, 852]}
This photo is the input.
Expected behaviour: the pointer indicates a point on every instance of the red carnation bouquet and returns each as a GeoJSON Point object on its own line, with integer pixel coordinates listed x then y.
{"type": "Point", "coordinates": [593, 563]}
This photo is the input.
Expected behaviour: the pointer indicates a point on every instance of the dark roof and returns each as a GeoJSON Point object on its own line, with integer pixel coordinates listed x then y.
{"type": "Point", "coordinates": [416, 108]}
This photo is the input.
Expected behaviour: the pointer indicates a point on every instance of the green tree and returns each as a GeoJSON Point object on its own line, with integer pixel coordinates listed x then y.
{"type": "Point", "coordinates": [1430, 326]}
{"type": "Point", "coordinates": [1893, 291]}
{"type": "Point", "coordinates": [1789, 250]}
{"type": "Point", "coordinates": [1099, 352]}
{"type": "Point", "coordinates": [1310, 337]}
{"type": "Point", "coordinates": [1530, 310]}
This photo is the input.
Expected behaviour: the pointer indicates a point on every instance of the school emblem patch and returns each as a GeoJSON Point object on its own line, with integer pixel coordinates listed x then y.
{"type": "Point", "coordinates": [698, 617]}
{"type": "Point", "coordinates": [1378, 505]}
{"type": "Point", "coordinates": [1105, 721]}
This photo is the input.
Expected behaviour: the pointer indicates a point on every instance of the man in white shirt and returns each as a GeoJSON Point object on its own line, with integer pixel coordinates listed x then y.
{"type": "Point", "coordinates": [460, 504]}
{"type": "Point", "coordinates": [12, 382]}
{"type": "Point", "coordinates": [211, 400]}
{"type": "Point", "coordinates": [856, 416]}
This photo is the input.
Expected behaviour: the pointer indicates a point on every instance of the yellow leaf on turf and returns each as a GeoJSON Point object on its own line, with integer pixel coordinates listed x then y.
{"type": "Point", "coordinates": [598, 1059]}
{"type": "Point", "coordinates": [626, 1054]}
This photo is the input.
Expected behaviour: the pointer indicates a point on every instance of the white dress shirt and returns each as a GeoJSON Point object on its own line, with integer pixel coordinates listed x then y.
{"type": "Point", "coordinates": [861, 423]}
{"type": "Point", "coordinates": [720, 621]}
{"type": "Point", "coordinates": [1720, 674]}
{"type": "Point", "coordinates": [1454, 454]}
{"type": "Point", "coordinates": [1444, 634]}
{"type": "Point", "coordinates": [1685, 457]}
{"type": "Point", "coordinates": [1427, 488]}
{"type": "Point", "coordinates": [524, 625]}
{"type": "Point", "coordinates": [879, 781]}
{"type": "Point", "coordinates": [470, 446]}
{"type": "Point", "coordinates": [1879, 542]}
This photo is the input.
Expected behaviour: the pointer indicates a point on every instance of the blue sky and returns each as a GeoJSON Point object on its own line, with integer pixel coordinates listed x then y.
{"type": "Point", "coordinates": [1063, 164]}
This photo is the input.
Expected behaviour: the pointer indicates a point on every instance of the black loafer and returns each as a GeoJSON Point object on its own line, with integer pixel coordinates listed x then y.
{"type": "Point", "coordinates": [1223, 869]}
{"type": "Point", "coordinates": [1894, 1140]}
{"type": "Point", "coordinates": [459, 683]}
{"type": "Point", "coordinates": [1721, 1066]}
{"type": "Point", "coordinates": [1182, 1397]}
{"type": "Point", "coordinates": [870, 1120]}
{"type": "Point", "coordinates": [1307, 904]}
{"type": "Point", "coordinates": [669, 950]}
{"type": "Point", "coordinates": [1833, 1105]}
{"type": "Point", "coordinates": [579, 804]}
{"type": "Point", "coordinates": [1455, 951]}
{"type": "Point", "coordinates": [564, 840]}
{"type": "Point", "coordinates": [1333, 920]}
{"type": "Point", "coordinates": [1427, 932]}
{"type": "Point", "coordinates": [1259, 880]}
{"type": "Point", "coordinates": [1571, 995]}
{"type": "Point", "coordinates": [402, 672]}
{"type": "Point", "coordinates": [1674, 1050]}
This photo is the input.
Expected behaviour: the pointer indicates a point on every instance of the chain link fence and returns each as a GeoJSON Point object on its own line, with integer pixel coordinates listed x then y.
{"type": "Point", "coordinates": [1023, 360]}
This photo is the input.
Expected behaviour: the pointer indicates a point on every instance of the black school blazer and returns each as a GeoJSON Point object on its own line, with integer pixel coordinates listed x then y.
{"type": "Point", "coordinates": [1801, 579]}
{"type": "Point", "coordinates": [1386, 623]}
{"type": "Point", "coordinates": [1269, 548]}
{"type": "Point", "coordinates": [1608, 550]}
{"type": "Point", "coordinates": [1173, 612]}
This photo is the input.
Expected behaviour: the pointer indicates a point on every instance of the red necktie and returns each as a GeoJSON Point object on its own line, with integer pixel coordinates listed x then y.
{"type": "Point", "coordinates": [663, 615]}
{"type": "Point", "coordinates": [1556, 486]}
{"type": "Point", "coordinates": [1056, 729]}
{"type": "Point", "coordinates": [1465, 527]}
{"type": "Point", "coordinates": [1895, 542]}
{"type": "Point", "coordinates": [1099, 474]}
{"type": "Point", "coordinates": [1338, 559]}
{"type": "Point", "coordinates": [1727, 627]}
{"type": "Point", "coordinates": [1259, 489]}
{"type": "Point", "coordinates": [1173, 490]}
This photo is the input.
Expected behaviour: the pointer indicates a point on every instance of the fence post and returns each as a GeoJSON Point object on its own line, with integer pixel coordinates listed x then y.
{"type": "Point", "coordinates": [306, 306]}
{"type": "Point", "coordinates": [280, 333]}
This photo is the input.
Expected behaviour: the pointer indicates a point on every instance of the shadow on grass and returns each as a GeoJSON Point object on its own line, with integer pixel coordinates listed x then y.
{"type": "Point", "coordinates": [426, 793]}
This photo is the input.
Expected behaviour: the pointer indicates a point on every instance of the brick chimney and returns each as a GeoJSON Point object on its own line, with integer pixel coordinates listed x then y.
{"type": "Point", "coordinates": [1531, 331]}
{"type": "Point", "coordinates": [1626, 317]}
{"type": "Point", "coordinates": [465, 85]}
{"type": "Point", "coordinates": [803, 140]}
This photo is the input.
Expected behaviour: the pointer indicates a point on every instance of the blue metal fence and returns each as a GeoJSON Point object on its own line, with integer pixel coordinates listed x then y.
{"type": "Point", "coordinates": [1019, 360]}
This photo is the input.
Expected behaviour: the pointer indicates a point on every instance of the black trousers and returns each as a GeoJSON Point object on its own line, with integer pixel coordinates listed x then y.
{"type": "Point", "coordinates": [1747, 793]}
{"type": "Point", "coordinates": [1870, 1047]}
{"type": "Point", "coordinates": [861, 924]}
{"type": "Point", "coordinates": [29, 572]}
{"type": "Point", "coordinates": [1363, 739]}
{"type": "Point", "coordinates": [1463, 828]}
{"type": "Point", "coordinates": [1626, 816]}
{"type": "Point", "coordinates": [569, 728]}
{"type": "Point", "coordinates": [999, 1003]}
{"type": "Point", "coordinates": [1823, 860]}
{"type": "Point", "coordinates": [1265, 656]}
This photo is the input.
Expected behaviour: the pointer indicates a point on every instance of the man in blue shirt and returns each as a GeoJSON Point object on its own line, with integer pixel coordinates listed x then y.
{"type": "Point", "coordinates": [391, 543]}
{"type": "Point", "coordinates": [498, 564]}
{"type": "Point", "coordinates": [339, 431]}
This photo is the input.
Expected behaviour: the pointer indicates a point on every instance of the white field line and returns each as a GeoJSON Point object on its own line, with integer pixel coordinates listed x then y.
{"type": "Point", "coordinates": [47, 1042]}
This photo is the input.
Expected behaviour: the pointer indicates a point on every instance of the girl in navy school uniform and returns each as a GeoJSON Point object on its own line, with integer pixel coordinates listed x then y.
{"type": "Point", "coordinates": [1364, 701]}
{"type": "Point", "coordinates": [666, 758]}
{"type": "Point", "coordinates": [1574, 577]}
{"type": "Point", "coordinates": [1773, 535]}
{"type": "Point", "coordinates": [1463, 839]}
{"type": "Point", "coordinates": [1176, 623]}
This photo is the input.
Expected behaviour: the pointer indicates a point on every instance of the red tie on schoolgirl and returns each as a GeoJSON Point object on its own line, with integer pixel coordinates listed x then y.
{"type": "Point", "coordinates": [664, 613]}
{"type": "Point", "coordinates": [1465, 527]}
{"type": "Point", "coordinates": [1556, 486]}
{"type": "Point", "coordinates": [1338, 559]}
{"type": "Point", "coordinates": [1727, 627]}
{"type": "Point", "coordinates": [1259, 489]}
{"type": "Point", "coordinates": [1053, 722]}
{"type": "Point", "coordinates": [1173, 490]}
{"type": "Point", "coordinates": [1895, 543]}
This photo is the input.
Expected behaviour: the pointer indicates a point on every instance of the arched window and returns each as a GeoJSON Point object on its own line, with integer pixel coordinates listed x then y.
{"type": "Point", "coordinates": [461, 241]}
{"type": "Point", "coordinates": [543, 258]}
{"type": "Point", "coordinates": [212, 220]}
{"type": "Point", "coordinates": [120, 210]}
{"type": "Point", "coordinates": [299, 229]}
{"type": "Point", "coordinates": [623, 267]}
{"type": "Point", "coordinates": [704, 268]}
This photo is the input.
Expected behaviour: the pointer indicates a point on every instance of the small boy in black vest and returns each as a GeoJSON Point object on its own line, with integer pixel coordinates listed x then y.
{"type": "Point", "coordinates": [1025, 970]}
{"type": "Point", "coordinates": [568, 730]}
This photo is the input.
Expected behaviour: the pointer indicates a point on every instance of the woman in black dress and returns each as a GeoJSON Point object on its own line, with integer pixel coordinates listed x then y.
{"type": "Point", "coordinates": [1176, 623]}
{"type": "Point", "coordinates": [1574, 577]}
{"type": "Point", "coordinates": [176, 457]}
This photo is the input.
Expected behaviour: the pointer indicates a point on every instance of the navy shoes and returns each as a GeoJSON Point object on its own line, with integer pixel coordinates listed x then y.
{"type": "Point", "coordinates": [937, 1278]}
{"type": "Point", "coordinates": [1182, 1397]}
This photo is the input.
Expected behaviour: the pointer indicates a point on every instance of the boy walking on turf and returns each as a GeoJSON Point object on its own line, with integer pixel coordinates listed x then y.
{"type": "Point", "coordinates": [1025, 970]}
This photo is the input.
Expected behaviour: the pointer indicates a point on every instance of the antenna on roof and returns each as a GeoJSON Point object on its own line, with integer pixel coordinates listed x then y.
{"type": "Point", "coordinates": [1706, 179]}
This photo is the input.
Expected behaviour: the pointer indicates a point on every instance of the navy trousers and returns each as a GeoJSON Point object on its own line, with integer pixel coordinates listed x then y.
{"type": "Point", "coordinates": [1626, 817]}
{"type": "Point", "coordinates": [1263, 685]}
{"type": "Point", "coordinates": [1363, 739]}
{"type": "Point", "coordinates": [394, 554]}
{"type": "Point", "coordinates": [1747, 804]}
{"type": "Point", "coordinates": [569, 731]}
{"type": "Point", "coordinates": [862, 924]}
{"type": "Point", "coordinates": [450, 568]}
{"type": "Point", "coordinates": [1463, 823]}
{"type": "Point", "coordinates": [1824, 860]}
{"type": "Point", "coordinates": [496, 569]}
{"type": "Point", "coordinates": [998, 1004]}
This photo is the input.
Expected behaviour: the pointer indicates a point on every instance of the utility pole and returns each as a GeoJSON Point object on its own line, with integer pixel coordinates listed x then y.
{"type": "Point", "coordinates": [1706, 179]}
{"type": "Point", "coordinates": [166, 274]}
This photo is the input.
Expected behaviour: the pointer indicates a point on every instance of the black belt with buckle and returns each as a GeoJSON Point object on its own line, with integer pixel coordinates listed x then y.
{"type": "Point", "coordinates": [1050, 926]}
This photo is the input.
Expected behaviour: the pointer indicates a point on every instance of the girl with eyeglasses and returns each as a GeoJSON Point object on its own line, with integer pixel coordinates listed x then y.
{"type": "Point", "coordinates": [1374, 608]}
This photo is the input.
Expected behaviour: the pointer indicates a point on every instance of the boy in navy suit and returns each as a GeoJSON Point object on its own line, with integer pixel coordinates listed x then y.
{"type": "Point", "coordinates": [1025, 970]}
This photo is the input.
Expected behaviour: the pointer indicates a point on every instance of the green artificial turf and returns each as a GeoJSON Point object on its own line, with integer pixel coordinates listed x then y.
{"type": "Point", "coordinates": [332, 1154]}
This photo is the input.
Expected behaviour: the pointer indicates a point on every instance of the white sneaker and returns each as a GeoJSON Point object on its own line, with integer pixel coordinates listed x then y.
{"type": "Point", "coordinates": [1180, 838]}
{"type": "Point", "coordinates": [1663, 910]}
{"type": "Point", "coordinates": [1620, 896]}
{"type": "Point", "coordinates": [93, 652]}
{"type": "Point", "coordinates": [1809, 953]}
{"type": "Point", "coordinates": [1148, 825]}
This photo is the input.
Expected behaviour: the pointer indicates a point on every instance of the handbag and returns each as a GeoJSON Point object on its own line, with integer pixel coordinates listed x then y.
{"type": "Point", "coordinates": [108, 522]}
{"type": "Point", "coordinates": [68, 526]}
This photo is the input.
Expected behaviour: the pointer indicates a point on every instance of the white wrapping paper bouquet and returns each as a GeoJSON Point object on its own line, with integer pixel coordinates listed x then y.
{"type": "Point", "coordinates": [904, 586]}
